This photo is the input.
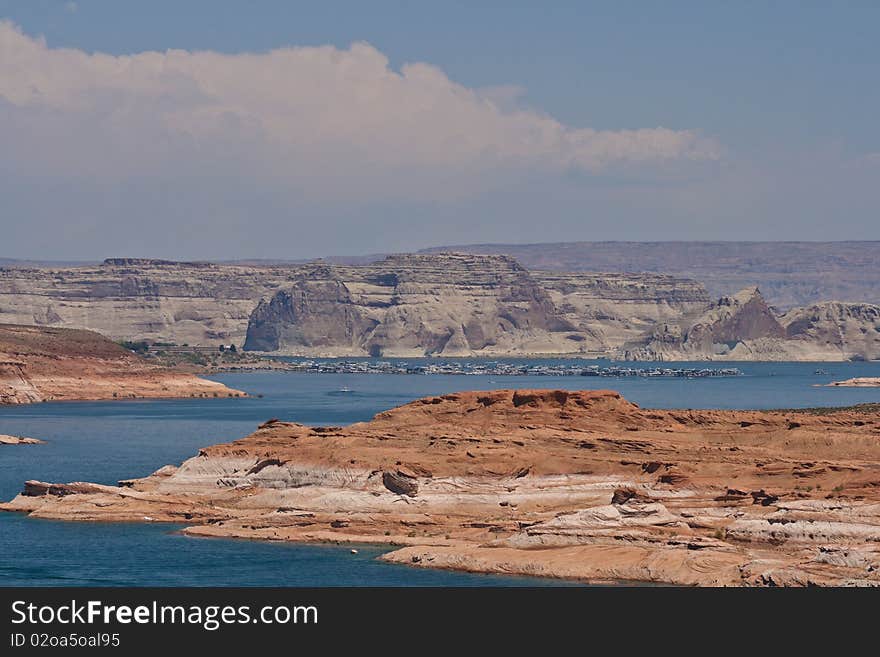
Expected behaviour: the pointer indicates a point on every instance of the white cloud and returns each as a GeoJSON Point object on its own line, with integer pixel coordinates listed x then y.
{"type": "Point", "coordinates": [320, 120]}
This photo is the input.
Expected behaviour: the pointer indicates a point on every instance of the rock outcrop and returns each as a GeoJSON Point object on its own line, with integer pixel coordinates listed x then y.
{"type": "Point", "coordinates": [18, 440]}
{"type": "Point", "coordinates": [315, 312]}
{"type": "Point", "coordinates": [447, 305]}
{"type": "Point", "coordinates": [837, 331]}
{"type": "Point", "coordinates": [45, 364]}
{"type": "Point", "coordinates": [581, 485]}
{"type": "Point", "coordinates": [744, 327]}
{"type": "Point", "coordinates": [619, 308]}
{"type": "Point", "coordinates": [140, 299]}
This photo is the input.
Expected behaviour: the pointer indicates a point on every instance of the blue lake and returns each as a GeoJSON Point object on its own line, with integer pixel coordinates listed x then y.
{"type": "Point", "coordinates": [108, 441]}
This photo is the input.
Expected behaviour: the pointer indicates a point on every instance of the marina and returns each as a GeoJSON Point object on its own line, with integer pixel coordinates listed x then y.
{"type": "Point", "coordinates": [501, 368]}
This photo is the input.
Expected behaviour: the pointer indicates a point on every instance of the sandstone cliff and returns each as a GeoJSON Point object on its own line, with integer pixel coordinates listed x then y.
{"type": "Point", "coordinates": [46, 364]}
{"type": "Point", "coordinates": [582, 485]}
{"type": "Point", "coordinates": [744, 327]}
{"type": "Point", "coordinates": [413, 305]}
{"type": "Point", "coordinates": [430, 304]}
{"type": "Point", "coordinates": [407, 305]}
{"type": "Point", "coordinates": [836, 330]}
{"type": "Point", "coordinates": [137, 299]}
{"type": "Point", "coordinates": [619, 308]}
{"type": "Point", "coordinates": [459, 305]}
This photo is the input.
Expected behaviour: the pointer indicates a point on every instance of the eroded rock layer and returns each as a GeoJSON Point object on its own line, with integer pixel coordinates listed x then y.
{"type": "Point", "coordinates": [416, 305]}
{"type": "Point", "coordinates": [412, 305]}
{"type": "Point", "coordinates": [139, 299]}
{"type": "Point", "coordinates": [45, 364]}
{"type": "Point", "coordinates": [447, 304]}
{"type": "Point", "coordinates": [582, 485]}
{"type": "Point", "coordinates": [744, 327]}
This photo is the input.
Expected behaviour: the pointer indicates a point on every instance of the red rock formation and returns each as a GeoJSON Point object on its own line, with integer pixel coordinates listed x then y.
{"type": "Point", "coordinates": [45, 364]}
{"type": "Point", "coordinates": [582, 485]}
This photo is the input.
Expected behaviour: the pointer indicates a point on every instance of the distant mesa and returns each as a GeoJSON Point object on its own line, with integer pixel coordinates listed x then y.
{"type": "Point", "coordinates": [453, 305]}
{"type": "Point", "coordinates": [151, 262]}
{"type": "Point", "coordinates": [790, 274]}
{"type": "Point", "coordinates": [440, 305]}
{"type": "Point", "coordinates": [744, 327]}
{"type": "Point", "coordinates": [410, 305]}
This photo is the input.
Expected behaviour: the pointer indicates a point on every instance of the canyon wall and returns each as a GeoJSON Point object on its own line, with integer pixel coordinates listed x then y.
{"type": "Point", "coordinates": [140, 299]}
{"type": "Point", "coordinates": [403, 305]}
{"type": "Point", "coordinates": [447, 304]}
{"type": "Point", "coordinates": [460, 305]}
{"type": "Point", "coordinates": [744, 327]}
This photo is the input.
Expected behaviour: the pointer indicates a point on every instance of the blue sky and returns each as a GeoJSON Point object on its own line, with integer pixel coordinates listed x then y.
{"type": "Point", "coordinates": [770, 111]}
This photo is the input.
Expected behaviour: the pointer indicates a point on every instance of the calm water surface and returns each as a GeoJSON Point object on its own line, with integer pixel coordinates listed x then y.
{"type": "Point", "coordinates": [108, 441]}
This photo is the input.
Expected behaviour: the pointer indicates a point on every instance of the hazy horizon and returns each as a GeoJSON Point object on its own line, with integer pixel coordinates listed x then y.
{"type": "Point", "coordinates": [428, 249]}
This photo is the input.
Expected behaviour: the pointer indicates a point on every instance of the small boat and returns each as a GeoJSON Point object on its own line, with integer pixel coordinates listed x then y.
{"type": "Point", "coordinates": [344, 390]}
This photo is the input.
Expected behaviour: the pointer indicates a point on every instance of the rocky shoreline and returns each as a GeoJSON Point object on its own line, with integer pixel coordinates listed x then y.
{"type": "Point", "coordinates": [48, 364]}
{"type": "Point", "coordinates": [581, 485]}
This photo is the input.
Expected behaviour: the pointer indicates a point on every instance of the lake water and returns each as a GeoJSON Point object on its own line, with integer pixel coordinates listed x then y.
{"type": "Point", "coordinates": [108, 441]}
